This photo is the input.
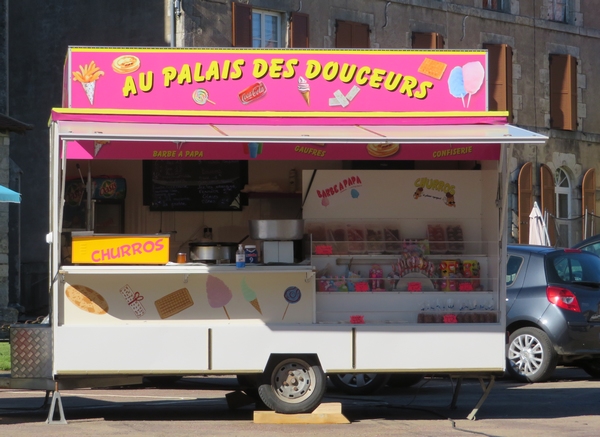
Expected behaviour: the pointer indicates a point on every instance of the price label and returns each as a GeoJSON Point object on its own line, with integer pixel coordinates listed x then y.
{"type": "Point", "coordinates": [323, 249]}
{"type": "Point", "coordinates": [465, 286]}
{"type": "Point", "coordinates": [414, 286]}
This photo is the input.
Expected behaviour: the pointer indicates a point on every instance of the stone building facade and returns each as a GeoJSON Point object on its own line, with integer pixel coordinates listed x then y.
{"type": "Point", "coordinates": [530, 33]}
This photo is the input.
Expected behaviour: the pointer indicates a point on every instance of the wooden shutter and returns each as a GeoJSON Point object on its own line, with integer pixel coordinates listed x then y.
{"type": "Point", "coordinates": [563, 92]}
{"type": "Point", "coordinates": [588, 197]}
{"type": "Point", "coordinates": [299, 30]}
{"type": "Point", "coordinates": [548, 195]}
{"type": "Point", "coordinates": [500, 78]}
{"type": "Point", "coordinates": [427, 40]}
{"type": "Point", "coordinates": [241, 24]}
{"type": "Point", "coordinates": [525, 199]}
{"type": "Point", "coordinates": [350, 35]}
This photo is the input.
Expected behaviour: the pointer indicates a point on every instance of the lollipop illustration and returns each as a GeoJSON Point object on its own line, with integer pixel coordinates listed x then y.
{"type": "Point", "coordinates": [200, 96]}
{"type": "Point", "coordinates": [292, 295]}
{"type": "Point", "coordinates": [218, 293]}
{"type": "Point", "coordinates": [250, 296]}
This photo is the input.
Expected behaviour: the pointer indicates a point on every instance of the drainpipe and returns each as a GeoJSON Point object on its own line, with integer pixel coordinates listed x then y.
{"type": "Point", "coordinates": [175, 9]}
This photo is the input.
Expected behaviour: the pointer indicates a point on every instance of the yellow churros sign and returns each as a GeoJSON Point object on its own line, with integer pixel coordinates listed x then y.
{"type": "Point", "coordinates": [121, 249]}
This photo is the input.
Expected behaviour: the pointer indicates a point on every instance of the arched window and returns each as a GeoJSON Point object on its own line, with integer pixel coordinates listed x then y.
{"type": "Point", "coordinates": [563, 193]}
{"type": "Point", "coordinates": [562, 190]}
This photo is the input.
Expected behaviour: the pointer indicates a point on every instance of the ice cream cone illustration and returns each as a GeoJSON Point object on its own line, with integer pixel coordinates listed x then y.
{"type": "Point", "coordinates": [304, 89]}
{"type": "Point", "coordinates": [250, 296]}
{"type": "Point", "coordinates": [218, 293]}
{"type": "Point", "coordinates": [98, 144]}
{"type": "Point", "coordinates": [87, 76]}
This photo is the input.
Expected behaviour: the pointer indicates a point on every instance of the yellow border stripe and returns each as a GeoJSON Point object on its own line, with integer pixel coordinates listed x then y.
{"type": "Point", "coordinates": [390, 52]}
{"type": "Point", "coordinates": [272, 114]}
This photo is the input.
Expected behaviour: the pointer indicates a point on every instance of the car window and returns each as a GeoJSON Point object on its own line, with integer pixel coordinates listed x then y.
{"type": "Point", "coordinates": [572, 267]}
{"type": "Point", "coordinates": [594, 248]}
{"type": "Point", "coordinates": [512, 268]}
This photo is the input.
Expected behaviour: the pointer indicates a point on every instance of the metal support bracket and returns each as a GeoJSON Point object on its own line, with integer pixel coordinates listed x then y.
{"type": "Point", "coordinates": [56, 399]}
{"type": "Point", "coordinates": [486, 391]}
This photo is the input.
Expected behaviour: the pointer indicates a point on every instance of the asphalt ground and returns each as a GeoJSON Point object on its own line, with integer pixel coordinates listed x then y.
{"type": "Point", "coordinates": [568, 404]}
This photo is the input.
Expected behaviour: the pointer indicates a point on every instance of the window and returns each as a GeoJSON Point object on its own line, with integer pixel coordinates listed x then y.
{"type": "Point", "coordinates": [557, 10]}
{"type": "Point", "coordinates": [500, 78]}
{"type": "Point", "coordinates": [260, 28]}
{"type": "Point", "coordinates": [512, 269]}
{"type": "Point", "coordinates": [427, 40]}
{"type": "Point", "coordinates": [351, 35]}
{"type": "Point", "coordinates": [563, 92]}
{"type": "Point", "coordinates": [495, 5]}
{"type": "Point", "coordinates": [266, 29]}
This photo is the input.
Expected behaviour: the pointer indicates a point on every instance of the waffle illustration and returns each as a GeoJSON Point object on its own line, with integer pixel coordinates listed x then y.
{"type": "Point", "coordinates": [173, 303]}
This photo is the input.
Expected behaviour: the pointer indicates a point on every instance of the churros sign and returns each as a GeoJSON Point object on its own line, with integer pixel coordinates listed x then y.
{"type": "Point", "coordinates": [240, 82]}
{"type": "Point", "coordinates": [120, 249]}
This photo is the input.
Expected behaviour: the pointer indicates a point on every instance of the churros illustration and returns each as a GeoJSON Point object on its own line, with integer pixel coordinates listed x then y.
{"type": "Point", "coordinates": [432, 68]}
{"type": "Point", "coordinates": [383, 150]}
{"type": "Point", "coordinates": [173, 303]}
{"type": "Point", "coordinates": [87, 299]}
{"type": "Point", "coordinates": [126, 64]}
{"type": "Point", "coordinates": [87, 76]}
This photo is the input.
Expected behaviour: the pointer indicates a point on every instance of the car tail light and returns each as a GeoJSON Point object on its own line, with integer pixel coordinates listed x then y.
{"type": "Point", "coordinates": [562, 298]}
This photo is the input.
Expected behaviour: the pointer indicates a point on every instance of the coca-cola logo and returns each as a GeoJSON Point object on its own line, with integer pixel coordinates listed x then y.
{"type": "Point", "coordinates": [253, 92]}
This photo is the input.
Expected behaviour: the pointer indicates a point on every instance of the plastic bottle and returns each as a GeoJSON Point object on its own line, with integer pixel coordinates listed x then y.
{"type": "Point", "coordinates": [240, 257]}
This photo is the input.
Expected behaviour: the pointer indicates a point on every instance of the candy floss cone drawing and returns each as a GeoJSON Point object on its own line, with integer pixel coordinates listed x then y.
{"type": "Point", "coordinates": [218, 293]}
{"type": "Point", "coordinates": [87, 76]}
{"type": "Point", "coordinates": [291, 295]}
{"type": "Point", "coordinates": [250, 296]}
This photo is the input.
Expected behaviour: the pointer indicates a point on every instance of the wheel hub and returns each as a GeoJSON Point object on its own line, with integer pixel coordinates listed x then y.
{"type": "Point", "coordinates": [292, 381]}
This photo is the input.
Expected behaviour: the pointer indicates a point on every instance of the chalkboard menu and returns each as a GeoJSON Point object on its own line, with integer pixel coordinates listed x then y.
{"type": "Point", "coordinates": [194, 185]}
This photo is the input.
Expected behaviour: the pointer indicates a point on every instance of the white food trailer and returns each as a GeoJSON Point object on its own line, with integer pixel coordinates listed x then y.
{"type": "Point", "coordinates": [401, 270]}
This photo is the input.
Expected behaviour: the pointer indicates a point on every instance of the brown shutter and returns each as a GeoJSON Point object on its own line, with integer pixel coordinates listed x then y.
{"type": "Point", "coordinates": [563, 92]}
{"type": "Point", "coordinates": [343, 35]}
{"type": "Point", "coordinates": [548, 195]}
{"type": "Point", "coordinates": [588, 196]}
{"type": "Point", "coordinates": [299, 31]}
{"type": "Point", "coordinates": [350, 35]}
{"type": "Point", "coordinates": [241, 24]}
{"type": "Point", "coordinates": [500, 78]}
{"type": "Point", "coordinates": [525, 199]}
{"type": "Point", "coordinates": [427, 40]}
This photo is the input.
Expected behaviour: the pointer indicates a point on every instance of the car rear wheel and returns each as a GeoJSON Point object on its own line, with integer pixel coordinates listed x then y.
{"type": "Point", "coordinates": [359, 383]}
{"type": "Point", "coordinates": [530, 356]}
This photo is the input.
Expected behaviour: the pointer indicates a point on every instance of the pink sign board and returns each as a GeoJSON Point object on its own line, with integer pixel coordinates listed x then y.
{"type": "Point", "coordinates": [239, 82]}
{"type": "Point", "coordinates": [273, 151]}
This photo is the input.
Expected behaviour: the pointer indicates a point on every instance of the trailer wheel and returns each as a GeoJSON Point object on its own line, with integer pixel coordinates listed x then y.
{"type": "Point", "coordinates": [292, 385]}
{"type": "Point", "coordinates": [359, 383]}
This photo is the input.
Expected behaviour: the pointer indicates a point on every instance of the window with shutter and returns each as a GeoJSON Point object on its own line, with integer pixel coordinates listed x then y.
{"type": "Point", "coordinates": [548, 198]}
{"type": "Point", "coordinates": [557, 10]}
{"type": "Point", "coordinates": [525, 200]}
{"type": "Point", "coordinates": [500, 78]}
{"type": "Point", "coordinates": [241, 24]}
{"type": "Point", "coordinates": [299, 30]}
{"type": "Point", "coordinates": [431, 40]}
{"type": "Point", "coordinates": [351, 35]}
{"type": "Point", "coordinates": [563, 92]}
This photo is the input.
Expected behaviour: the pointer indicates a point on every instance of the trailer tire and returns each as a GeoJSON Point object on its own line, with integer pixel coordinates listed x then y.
{"type": "Point", "coordinates": [359, 383]}
{"type": "Point", "coordinates": [292, 384]}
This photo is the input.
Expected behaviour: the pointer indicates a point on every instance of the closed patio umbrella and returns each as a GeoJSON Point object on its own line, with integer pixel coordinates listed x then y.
{"type": "Point", "coordinates": [8, 195]}
{"type": "Point", "coordinates": [538, 233]}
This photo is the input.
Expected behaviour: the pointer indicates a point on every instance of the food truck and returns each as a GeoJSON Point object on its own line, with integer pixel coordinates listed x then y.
{"type": "Point", "coordinates": [392, 262]}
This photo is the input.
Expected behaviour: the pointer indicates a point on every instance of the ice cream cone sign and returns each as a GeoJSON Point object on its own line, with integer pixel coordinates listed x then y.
{"type": "Point", "coordinates": [304, 89]}
{"type": "Point", "coordinates": [87, 76]}
{"type": "Point", "coordinates": [250, 296]}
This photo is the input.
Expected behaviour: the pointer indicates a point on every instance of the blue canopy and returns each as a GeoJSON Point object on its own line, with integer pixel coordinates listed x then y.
{"type": "Point", "coordinates": [7, 195]}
